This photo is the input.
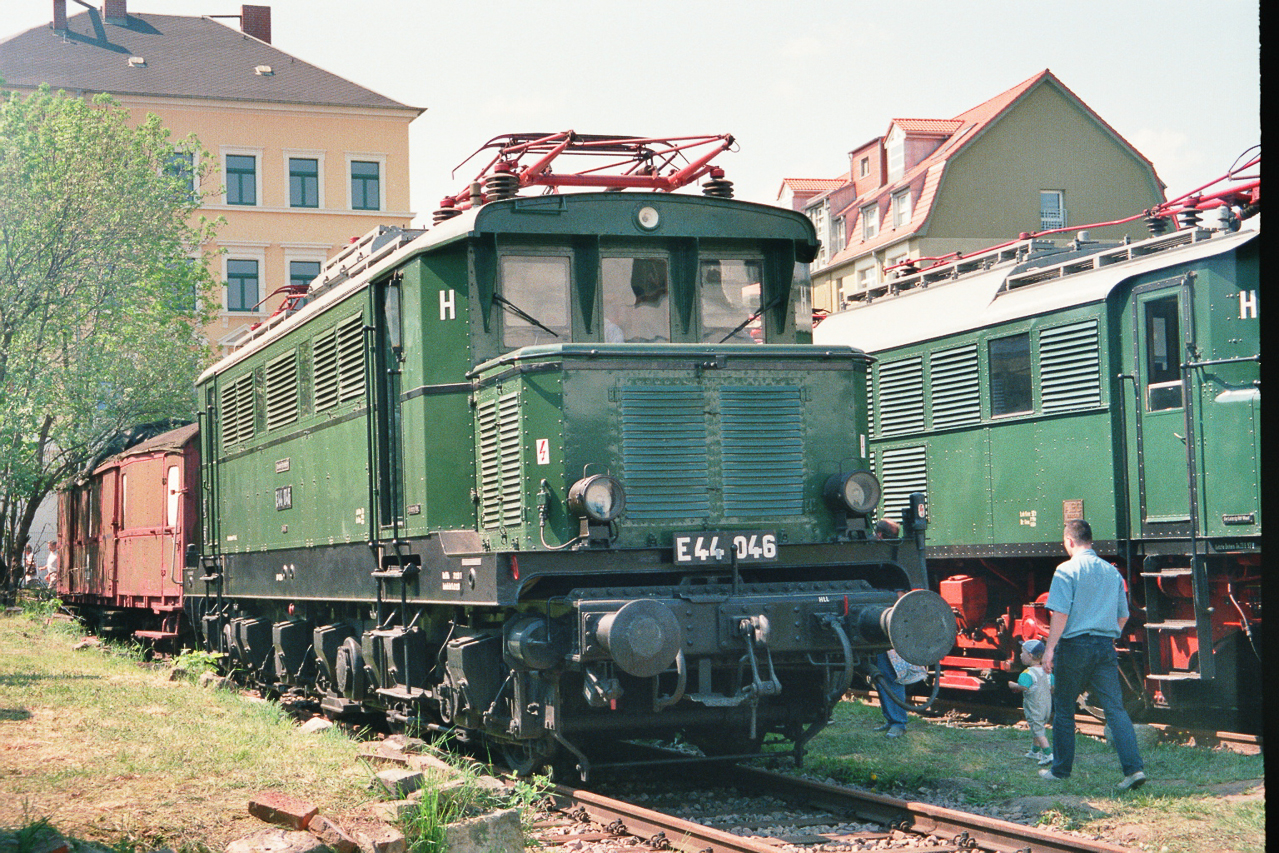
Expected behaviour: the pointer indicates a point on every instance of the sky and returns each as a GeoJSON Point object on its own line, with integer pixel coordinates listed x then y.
{"type": "Point", "coordinates": [798, 84]}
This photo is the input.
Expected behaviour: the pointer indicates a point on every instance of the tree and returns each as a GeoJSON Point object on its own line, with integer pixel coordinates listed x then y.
{"type": "Point", "coordinates": [104, 288]}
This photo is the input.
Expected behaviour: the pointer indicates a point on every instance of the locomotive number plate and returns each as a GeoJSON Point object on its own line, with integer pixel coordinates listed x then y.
{"type": "Point", "coordinates": [712, 548]}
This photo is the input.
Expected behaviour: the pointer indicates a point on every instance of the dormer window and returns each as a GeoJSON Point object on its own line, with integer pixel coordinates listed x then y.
{"type": "Point", "coordinates": [264, 71]}
{"type": "Point", "coordinates": [870, 221]}
{"type": "Point", "coordinates": [137, 62]}
{"type": "Point", "coordinates": [863, 167]}
{"type": "Point", "coordinates": [901, 208]}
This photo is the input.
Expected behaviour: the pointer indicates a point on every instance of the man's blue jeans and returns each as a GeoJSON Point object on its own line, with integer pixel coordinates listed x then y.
{"type": "Point", "coordinates": [894, 714]}
{"type": "Point", "coordinates": [1088, 662]}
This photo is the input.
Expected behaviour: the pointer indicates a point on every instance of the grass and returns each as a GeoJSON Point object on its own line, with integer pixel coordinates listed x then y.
{"type": "Point", "coordinates": [104, 747]}
{"type": "Point", "coordinates": [101, 745]}
{"type": "Point", "coordinates": [1195, 799]}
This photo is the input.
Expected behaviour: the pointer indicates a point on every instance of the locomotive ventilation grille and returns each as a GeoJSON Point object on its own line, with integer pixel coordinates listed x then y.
{"type": "Point", "coordinates": [237, 411]}
{"type": "Point", "coordinates": [956, 388]}
{"type": "Point", "coordinates": [501, 495]}
{"type": "Point", "coordinates": [902, 470]}
{"type": "Point", "coordinates": [1070, 367]}
{"type": "Point", "coordinates": [282, 391]}
{"type": "Point", "coordinates": [901, 397]}
{"type": "Point", "coordinates": [666, 455]}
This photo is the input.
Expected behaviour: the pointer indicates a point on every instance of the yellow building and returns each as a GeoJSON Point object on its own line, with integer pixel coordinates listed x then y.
{"type": "Point", "coordinates": [307, 161]}
{"type": "Point", "coordinates": [1032, 159]}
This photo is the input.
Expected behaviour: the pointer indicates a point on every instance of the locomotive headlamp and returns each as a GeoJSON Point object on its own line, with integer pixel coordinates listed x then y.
{"type": "Point", "coordinates": [858, 492]}
{"type": "Point", "coordinates": [597, 497]}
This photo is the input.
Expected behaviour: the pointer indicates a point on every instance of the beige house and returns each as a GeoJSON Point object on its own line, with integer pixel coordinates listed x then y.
{"type": "Point", "coordinates": [1032, 159]}
{"type": "Point", "coordinates": [307, 161]}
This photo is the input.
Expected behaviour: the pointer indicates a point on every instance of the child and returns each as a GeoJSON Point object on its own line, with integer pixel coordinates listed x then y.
{"type": "Point", "coordinates": [1035, 685]}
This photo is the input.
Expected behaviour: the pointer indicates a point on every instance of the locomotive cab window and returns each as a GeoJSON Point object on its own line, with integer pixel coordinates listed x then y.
{"type": "Point", "coordinates": [535, 299]}
{"type": "Point", "coordinates": [1010, 376]}
{"type": "Point", "coordinates": [730, 293]}
{"type": "Point", "coordinates": [637, 305]}
{"type": "Point", "coordinates": [1163, 361]}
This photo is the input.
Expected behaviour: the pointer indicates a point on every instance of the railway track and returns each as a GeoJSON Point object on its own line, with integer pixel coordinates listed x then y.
{"type": "Point", "coordinates": [980, 714]}
{"type": "Point", "coordinates": [738, 809]}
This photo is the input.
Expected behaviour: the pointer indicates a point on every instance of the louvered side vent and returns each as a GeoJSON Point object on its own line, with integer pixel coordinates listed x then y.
{"type": "Point", "coordinates": [325, 359]}
{"type": "Point", "coordinates": [664, 453]}
{"type": "Point", "coordinates": [870, 404]}
{"type": "Point", "coordinates": [501, 496]}
{"type": "Point", "coordinates": [282, 391]}
{"type": "Point", "coordinates": [762, 451]}
{"type": "Point", "coordinates": [350, 357]}
{"type": "Point", "coordinates": [901, 397]}
{"type": "Point", "coordinates": [902, 471]}
{"type": "Point", "coordinates": [1070, 367]}
{"type": "Point", "coordinates": [956, 389]}
{"type": "Point", "coordinates": [237, 411]}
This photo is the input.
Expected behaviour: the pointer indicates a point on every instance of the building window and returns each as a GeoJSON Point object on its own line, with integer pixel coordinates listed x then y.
{"type": "Point", "coordinates": [302, 273]}
{"type": "Point", "coordinates": [837, 235]}
{"type": "Point", "coordinates": [304, 182]}
{"type": "Point", "coordinates": [896, 154]}
{"type": "Point", "coordinates": [870, 222]}
{"type": "Point", "coordinates": [863, 167]}
{"type": "Point", "coordinates": [1052, 209]}
{"type": "Point", "coordinates": [241, 285]}
{"type": "Point", "coordinates": [241, 179]}
{"type": "Point", "coordinates": [181, 165]}
{"type": "Point", "coordinates": [366, 185]}
{"type": "Point", "coordinates": [901, 208]}
{"type": "Point", "coordinates": [1010, 385]}
{"type": "Point", "coordinates": [867, 278]}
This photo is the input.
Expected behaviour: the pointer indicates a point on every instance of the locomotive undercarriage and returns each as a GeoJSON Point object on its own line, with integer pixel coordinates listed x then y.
{"type": "Point", "coordinates": [556, 678]}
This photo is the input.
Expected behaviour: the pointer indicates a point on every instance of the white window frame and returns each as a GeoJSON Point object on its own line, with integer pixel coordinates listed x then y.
{"type": "Point", "coordinates": [896, 151]}
{"type": "Point", "coordinates": [380, 159]}
{"type": "Point", "coordinates": [867, 277]}
{"type": "Point", "coordinates": [870, 221]}
{"type": "Point", "coordinates": [863, 167]}
{"type": "Point", "coordinates": [304, 154]}
{"type": "Point", "coordinates": [901, 208]}
{"type": "Point", "coordinates": [255, 153]}
{"type": "Point", "coordinates": [1044, 223]}
{"type": "Point", "coordinates": [313, 253]}
{"type": "Point", "coordinates": [245, 252]}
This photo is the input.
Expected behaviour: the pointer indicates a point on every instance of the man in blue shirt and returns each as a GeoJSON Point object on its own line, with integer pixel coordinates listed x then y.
{"type": "Point", "coordinates": [1088, 607]}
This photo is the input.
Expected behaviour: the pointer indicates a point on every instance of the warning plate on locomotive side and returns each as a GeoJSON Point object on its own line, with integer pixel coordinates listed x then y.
{"type": "Point", "coordinates": [708, 547]}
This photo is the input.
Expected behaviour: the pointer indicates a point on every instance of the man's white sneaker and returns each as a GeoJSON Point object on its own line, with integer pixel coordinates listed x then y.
{"type": "Point", "coordinates": [1132, 781]}
{"type": "Point", "coordinates": [1047, 773]}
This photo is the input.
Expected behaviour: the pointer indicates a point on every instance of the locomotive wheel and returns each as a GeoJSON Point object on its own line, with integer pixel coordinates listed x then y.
{"type": "Point", "coordinates": [526, 757]}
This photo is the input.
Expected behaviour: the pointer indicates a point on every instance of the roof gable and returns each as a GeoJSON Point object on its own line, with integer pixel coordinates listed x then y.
{"type": "Point", "coordinates": [184, 57]}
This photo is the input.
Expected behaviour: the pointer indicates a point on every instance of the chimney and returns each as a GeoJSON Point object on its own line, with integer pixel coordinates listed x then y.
{"type": "Point", "coordinates": [256, 21]}
{"type": "Point", "coordinates": [115, 11]}
{"type": "Point", "coordinates": [60, 15]}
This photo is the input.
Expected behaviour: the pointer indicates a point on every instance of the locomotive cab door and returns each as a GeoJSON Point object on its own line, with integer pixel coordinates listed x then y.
{"type": "Point", "coordinates": [1163, 478]}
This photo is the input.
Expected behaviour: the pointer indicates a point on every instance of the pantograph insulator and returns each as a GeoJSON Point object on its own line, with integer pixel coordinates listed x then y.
{"type": "Point", "coordinates": [444, 213]}
{"type": "Point", "coordinates": [718, 188]}
{"type": "Point", "coordinates": [501, 185]}
{"type": "Point", "coordinates": [1156, 225]}
{"type": "Point", "coordinates": [1189, 218]}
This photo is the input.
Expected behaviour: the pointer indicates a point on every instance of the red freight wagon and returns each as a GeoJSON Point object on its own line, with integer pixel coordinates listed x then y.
{"type": "Point", "coordinates": [123, 532]}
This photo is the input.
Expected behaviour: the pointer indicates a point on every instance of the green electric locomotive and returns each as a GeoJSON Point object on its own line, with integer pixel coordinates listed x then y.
{"type": "Point", "coordinates": [559, 470]}
{"type": "Point", "coordinates": [1120, 383]}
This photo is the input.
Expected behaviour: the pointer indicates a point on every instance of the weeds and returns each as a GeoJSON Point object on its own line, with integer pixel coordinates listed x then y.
{"type": "Point", "coordinates": [197, 662]}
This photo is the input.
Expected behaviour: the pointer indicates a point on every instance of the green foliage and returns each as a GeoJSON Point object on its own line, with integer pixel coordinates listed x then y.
{"type": "Point", "coordinates": [438, 807]}
{"type": "Point", "coordinates": [101, 288]}
{"type": "Point", "coordinates": [197, 662]}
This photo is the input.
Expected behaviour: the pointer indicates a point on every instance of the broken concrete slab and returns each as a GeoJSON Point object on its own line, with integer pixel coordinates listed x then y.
{"type": "Point", "coordinates": [495, 832]}
{"type": "Point", "coordinates": [282, 809]}
{"type": "Point", "coordinates": [276, 840]}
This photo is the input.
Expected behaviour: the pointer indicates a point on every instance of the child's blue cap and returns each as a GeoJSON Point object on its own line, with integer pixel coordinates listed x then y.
{"type": "Point", "coordinates": [1034, 648]}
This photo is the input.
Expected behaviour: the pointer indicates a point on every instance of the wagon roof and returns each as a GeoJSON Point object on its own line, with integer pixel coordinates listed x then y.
{"type": "Point", "coordinates": [980, 299]}
{"type": "Point", "coordinates": [174, 439]}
